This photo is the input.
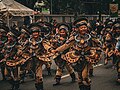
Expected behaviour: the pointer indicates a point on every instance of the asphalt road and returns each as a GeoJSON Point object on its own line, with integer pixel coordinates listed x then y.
{"type": "Point", "coordinates": [104, 79]}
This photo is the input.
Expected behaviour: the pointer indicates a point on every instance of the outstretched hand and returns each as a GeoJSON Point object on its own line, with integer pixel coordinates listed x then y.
{"type": "Point", "coordinates": [53, 51]}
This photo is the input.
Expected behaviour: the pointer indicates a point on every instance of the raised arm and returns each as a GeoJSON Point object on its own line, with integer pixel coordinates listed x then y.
{"type": "Point", "coordinates": [65, 46]}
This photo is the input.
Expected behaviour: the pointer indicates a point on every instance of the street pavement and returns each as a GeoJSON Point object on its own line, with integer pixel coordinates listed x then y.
{"type": "Point", "coordinates": [104, 79]}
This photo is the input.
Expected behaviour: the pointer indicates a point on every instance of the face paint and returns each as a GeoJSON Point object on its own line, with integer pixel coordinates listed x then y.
{"type": "Point", "coordinates": [83, 29]}
{"type": "Point", "coordinates": [35, 34]}
{"type": "Point", "coordinates": [62, 33]}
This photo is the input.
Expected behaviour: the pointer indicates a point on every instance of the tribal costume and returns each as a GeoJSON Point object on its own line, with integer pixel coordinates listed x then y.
{"type": "Point", "coordinates": [39, 47]}
{"type": "Point", "coordinates": [58, 40]}
{"type": "Point", "coordinates": [10, 51]}
{"type": "Point", "coordinates": [80, 54]}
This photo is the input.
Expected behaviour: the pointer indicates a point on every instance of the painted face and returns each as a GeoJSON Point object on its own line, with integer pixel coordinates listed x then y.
{"type": "Point", "coordinates": [62, 33]}
{"type": "Point", "coordinates": [108, 37]}
{"type": "Point", "coordinates": [10, 38]}
{"type": "Point", "coordinates": [35, 34]}
{"type": "Point", "coordinates": [83, 29]}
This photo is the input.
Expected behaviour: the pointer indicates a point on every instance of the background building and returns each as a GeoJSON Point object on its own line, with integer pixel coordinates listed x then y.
{"type": "Point", "coordinates": [87, 7]}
